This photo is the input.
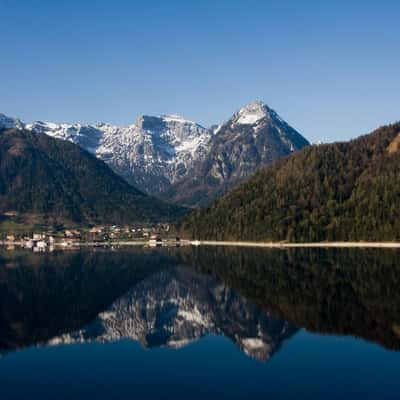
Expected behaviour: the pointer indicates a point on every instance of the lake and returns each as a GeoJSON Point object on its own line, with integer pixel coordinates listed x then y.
{"type": "Point", "coordinates": [206, 322]}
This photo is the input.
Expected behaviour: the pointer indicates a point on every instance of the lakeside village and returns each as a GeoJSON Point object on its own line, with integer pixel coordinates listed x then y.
{"type": "Point", "coordinates": [146, 235]}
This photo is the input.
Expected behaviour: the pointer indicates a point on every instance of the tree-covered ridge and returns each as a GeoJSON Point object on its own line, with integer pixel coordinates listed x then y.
{"type": "Point", "coordinates": [339, 191]}
{"type": "Point", "coordinates": [57, 180]}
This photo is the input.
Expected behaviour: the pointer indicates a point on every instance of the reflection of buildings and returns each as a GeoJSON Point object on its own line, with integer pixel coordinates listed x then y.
{"type": "Point", "coordinates": [176, 307]}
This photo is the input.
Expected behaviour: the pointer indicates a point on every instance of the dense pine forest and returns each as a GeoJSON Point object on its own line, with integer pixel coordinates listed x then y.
{"type": "Point", "coordinates": [340, 191]}
{"type": "Point", "coordinates": [54, 180]}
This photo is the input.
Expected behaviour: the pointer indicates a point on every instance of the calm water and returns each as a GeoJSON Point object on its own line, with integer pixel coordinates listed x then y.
{"type": "Point", "coordinates": [200, 323]}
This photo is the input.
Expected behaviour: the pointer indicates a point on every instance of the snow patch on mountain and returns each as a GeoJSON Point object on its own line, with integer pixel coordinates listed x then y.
{"type": "Point", "coordinates": [251, 113]}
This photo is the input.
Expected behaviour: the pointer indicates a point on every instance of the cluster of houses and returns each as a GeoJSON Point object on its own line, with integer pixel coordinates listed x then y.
{"type": "Point", "coordinates": [98, 234]}
{"type": "Point", "coordinates": [126, 232]}
{"type": "Point", "coordinates": [38, 241]}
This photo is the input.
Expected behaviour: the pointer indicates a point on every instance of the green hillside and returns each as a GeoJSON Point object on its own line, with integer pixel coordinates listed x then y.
{"type": "Point", "coordinates": [339, 191]}
{"type": "Point", "coordinates": [46, 179]}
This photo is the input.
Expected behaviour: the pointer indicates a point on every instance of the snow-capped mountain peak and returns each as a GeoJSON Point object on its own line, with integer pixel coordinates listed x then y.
{"type": "Point", "coordinates": [253, 137]}
{"type": "Point", "coordinates": [251, 113]}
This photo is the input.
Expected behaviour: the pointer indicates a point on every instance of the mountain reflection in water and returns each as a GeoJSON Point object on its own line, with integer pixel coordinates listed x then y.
{"type": "Point", "coordinates": [177, 306]}
{"type": "Point", "coordinates": [254, 297]}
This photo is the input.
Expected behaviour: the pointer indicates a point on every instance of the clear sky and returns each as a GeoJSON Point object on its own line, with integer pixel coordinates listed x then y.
{"type": "Point", "coordinates": [330, 68]}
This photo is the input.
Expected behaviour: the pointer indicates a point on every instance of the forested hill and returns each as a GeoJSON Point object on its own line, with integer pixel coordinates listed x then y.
{"type": "Point", "coordinates": [339, 191]}
{"type": "Point", "coordinates": [55, 180]}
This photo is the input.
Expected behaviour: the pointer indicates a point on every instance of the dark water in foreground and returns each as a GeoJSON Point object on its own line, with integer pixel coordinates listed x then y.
{"type": "Point", "coordinates": [200, 323]}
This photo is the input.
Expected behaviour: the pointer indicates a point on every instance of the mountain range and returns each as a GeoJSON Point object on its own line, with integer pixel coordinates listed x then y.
{"type": "Point", "coordinates": [257, 176]}
{"type": "Point", "coordinates": [177, 159]}
{"type": "Point", "coordinates": [339, 191]}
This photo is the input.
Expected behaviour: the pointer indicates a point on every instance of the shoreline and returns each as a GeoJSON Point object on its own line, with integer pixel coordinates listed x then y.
{"type": "Point", "coordinates": [196, 243]}
{"type": "Point", "coordinates": [299, 245]}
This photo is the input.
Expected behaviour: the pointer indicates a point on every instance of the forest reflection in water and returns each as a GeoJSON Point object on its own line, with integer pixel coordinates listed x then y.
{"type": "Point", "coordinates": [258, 298]}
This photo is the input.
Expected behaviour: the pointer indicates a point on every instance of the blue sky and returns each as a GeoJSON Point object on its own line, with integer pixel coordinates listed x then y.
{"type": "Point", "coordinates": [330, 68]}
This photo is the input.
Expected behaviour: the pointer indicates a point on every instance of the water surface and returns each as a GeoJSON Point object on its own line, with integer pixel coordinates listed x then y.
{"type": "Point", "coordinates": [200, 322]}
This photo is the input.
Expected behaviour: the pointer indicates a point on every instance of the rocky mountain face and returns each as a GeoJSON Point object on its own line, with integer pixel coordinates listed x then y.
{"type": "Point", "coordinates": [176, 159]}
{"type": "Point", "coordinates": [254, 136]}
{"type": "Point", "coordinates": [10, 123]}
{"type": "Point", "coordinates": [150, 154]}
{"type": "Point", "coordinates": [178, 306]}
